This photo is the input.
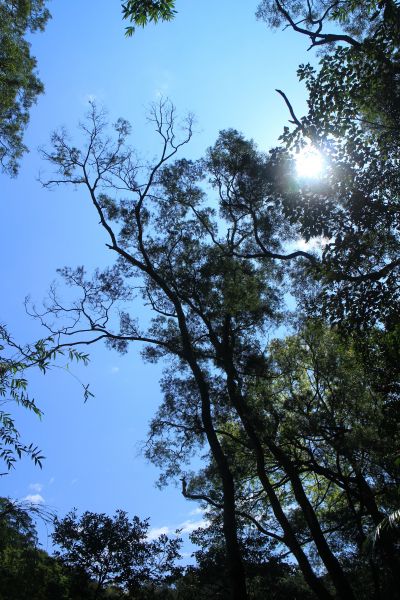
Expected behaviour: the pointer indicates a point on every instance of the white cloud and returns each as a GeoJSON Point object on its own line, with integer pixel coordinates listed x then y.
{"type": "Point", "coordinates": [35, 487]}
{"type": "Point", "coordinates": [189, 526]}
{"type": "Point", "coordinates": [34, 498]}
{"type": "Point", "coordinates": [51, 480]}
{"type": "Point", "coordinates": [183, 528]}
{"type": "Point", "coordinates": [114, 370]}
{"type": "Point", "coordinates": [157, 531]}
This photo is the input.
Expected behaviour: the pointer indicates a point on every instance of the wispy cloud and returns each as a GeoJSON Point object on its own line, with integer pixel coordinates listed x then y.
{"type": "Point", "coordinates": [35, 487]}
{"type": "Point", "coordinates": [34, 498]}
{"type": "Point", "coordinates": [114, 370]}
{"type": "Point", "coordinates": [189, 526]}
{"type": "Point", "coordinates": [183, 528]}
{"type": "Point", "coordinates": [196, 511]}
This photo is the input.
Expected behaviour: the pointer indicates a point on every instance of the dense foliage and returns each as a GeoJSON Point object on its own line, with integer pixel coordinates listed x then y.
{"type": "Point", "coordinates": [113, 552]}
{"type": "Point", "coordinates": [19, 83]}
{"type": "Point", "coordinates": [97, 557]}
{"type": "Point", "coordinates": [353, 116]}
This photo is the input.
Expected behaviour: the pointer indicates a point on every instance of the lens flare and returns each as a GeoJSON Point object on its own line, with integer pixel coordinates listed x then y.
{"type": "Point", "coordinates": [309, 163]}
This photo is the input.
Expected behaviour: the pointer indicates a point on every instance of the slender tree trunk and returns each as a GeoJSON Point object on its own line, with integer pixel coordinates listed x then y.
{"type": "Point", "coordinates": [290, 537]}
{"type": "Point", "coordinates": [330, 561]}
{"type": "Point", "coordinates": [234, 557]}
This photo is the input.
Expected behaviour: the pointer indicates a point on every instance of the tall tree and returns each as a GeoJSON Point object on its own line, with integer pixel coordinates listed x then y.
{"type": "Point", "coordinates": [213, 307]}
{"type": "Point", "coordinates": [156, 238]}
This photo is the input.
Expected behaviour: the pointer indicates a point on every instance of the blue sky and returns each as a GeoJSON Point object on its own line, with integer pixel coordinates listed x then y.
{"type": "Point", "coordinates": [214, 60]}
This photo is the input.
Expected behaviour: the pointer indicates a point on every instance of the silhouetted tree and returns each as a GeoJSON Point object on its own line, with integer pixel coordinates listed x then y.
{"type": "Point", "coordinates": [114, 552]}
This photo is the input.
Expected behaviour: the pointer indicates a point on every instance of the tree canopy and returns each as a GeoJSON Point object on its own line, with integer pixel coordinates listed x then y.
{"type": "Point", "coordinates": [287, 454]}
{"type": "Point", "coordinates": [19, 82]}
{"type": "Point", "coordinates": [274, 310]}
{"type": "Point", "coordinates": [113, 552]}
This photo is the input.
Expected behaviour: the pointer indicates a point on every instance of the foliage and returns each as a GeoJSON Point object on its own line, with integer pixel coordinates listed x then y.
{"type": "Point", "coordinates": [29, 573]}
{"type": "Point", "coordinates": [213, 305]}
{"type": "Point", "coordinates": [352, 119]}
{"type": "Point", "coordinates": [114, 552]}
{"type": "Point", "coordinates": [15, 360]}
{"type": "Point", "coordinates": [142, 12]}
{"type": "Point", "coordinates": [19, 83]}
{"type": "Point", "coordinates": [359, 20]}
{"type": "Point", "coordinates": [319, 405]}
{"type": "Point", "coordinates": [292, 426]}
{"type": "Point", "coordinates": [391, 520]}
{"type": "Point", "coordinates": [301, 434]}
{"type": "Point", "coordinates": [26, 572]}
{"type": "Point", "coordinates": [266, 574]}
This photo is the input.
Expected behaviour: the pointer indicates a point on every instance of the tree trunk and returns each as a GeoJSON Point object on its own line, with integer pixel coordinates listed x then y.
{"type": "Point", "coordinates": [234, 557]}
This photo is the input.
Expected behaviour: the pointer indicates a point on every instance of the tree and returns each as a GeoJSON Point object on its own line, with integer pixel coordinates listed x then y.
{"type": "Point", "coordinates": [318, 404]}
{"type": "Point", "coordinates": [26, 572]}
{"type": "Point", "coordinates": [214, 281]}
{"type": "Point", "coordinates": [213, 306]}
{"type": "Point", "coordinates": [150, 235]}
{"type": "Point", "coordinates": [19, 83]}
{"type": "Point", "coordinates": [353, 117]}
{"type": "Point", "coordinates": [352, 210]}
{"type": "Point", "coordinates": [114, 552]}
{"type": "Point", "coordinates": [340, 428]}
{"type": "Point", "coordinates": [267, 574]}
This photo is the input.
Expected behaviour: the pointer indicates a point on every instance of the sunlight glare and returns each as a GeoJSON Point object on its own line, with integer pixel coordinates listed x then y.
{"type": "Point", "coordinates": [309, 162]}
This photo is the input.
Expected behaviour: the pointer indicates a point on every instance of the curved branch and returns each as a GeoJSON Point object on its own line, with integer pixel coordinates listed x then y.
{"type": "Point", "coordinates": [317, 38]}
{"type": "Point", "coordinates": [295, 120]}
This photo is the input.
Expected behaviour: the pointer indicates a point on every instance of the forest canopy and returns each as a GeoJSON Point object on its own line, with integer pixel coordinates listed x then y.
{"type": "Point", "coordinates": [273, 309]}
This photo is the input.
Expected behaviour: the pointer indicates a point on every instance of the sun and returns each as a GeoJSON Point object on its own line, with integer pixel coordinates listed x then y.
{"type": "Point", "coordinates": [309, 163]}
